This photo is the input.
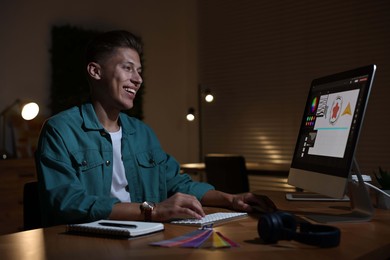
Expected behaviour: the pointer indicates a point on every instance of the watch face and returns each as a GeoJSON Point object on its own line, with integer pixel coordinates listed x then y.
{"type": "Point", "coordinates": [147, 208]}
{"type": "Point", "coordinates": [148, 205]}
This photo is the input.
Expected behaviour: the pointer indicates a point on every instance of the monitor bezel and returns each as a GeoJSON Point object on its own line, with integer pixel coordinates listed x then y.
{"type": "Point", "coordinates": [319, 178]}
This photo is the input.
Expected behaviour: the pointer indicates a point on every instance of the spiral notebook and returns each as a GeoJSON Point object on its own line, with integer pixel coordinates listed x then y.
{"type": "Point", "coordinates": [116, 228]}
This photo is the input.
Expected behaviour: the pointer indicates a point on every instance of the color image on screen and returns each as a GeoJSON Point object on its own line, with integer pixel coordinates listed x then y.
{"type": "Point", "coordinates": [333, 123]}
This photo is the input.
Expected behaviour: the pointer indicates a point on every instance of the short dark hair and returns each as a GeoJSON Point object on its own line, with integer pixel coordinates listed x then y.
{"type": "Point", "coordinates": [106, 43]}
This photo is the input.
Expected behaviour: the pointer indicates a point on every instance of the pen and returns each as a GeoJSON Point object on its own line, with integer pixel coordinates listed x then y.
{"type": "Point", "coordinates": [110, 224]}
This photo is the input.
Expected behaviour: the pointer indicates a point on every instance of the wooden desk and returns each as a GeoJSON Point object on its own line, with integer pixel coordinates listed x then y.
{"type": "Point", "coordinates": [369, 240]}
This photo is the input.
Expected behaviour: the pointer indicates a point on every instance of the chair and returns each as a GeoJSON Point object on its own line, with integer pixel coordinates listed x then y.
{"type": "Point", "coordinates": [227, 172]}
{"type": "Point", "coordinates": [31, 206]}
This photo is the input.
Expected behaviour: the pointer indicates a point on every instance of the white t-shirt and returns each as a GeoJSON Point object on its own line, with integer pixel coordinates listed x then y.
{"type": "Point", "coordinates": [119, 182]}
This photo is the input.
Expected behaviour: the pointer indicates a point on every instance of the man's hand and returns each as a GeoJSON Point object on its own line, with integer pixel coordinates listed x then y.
{"type": "Point", "coordinates": [178, 206]}
{"type": "Point", "coordinates": [247, 202]}
{"type": "Point", "coordinates": [250, 202]}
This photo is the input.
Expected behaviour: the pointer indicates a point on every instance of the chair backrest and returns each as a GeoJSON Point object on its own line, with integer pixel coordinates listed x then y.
{"type": "Point", "coordinates": [227, 172]}
{"type": "Point", "coordinates": [31, 206]}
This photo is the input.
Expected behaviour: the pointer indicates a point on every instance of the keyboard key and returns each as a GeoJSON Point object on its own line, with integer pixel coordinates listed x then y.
{"type": "Point", "coordinates": [214, 218]}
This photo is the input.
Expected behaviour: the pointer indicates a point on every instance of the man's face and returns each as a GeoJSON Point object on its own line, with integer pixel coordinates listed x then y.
{"type": "Point", "coordinates": [120, 78]}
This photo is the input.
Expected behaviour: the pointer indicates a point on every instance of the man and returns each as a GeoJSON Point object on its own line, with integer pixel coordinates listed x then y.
{"type": "Point", "coordinates": [94, 162]}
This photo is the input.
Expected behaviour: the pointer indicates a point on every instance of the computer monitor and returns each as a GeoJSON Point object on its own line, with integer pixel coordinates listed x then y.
{"type": "Point", "coordinates": [325, 150]}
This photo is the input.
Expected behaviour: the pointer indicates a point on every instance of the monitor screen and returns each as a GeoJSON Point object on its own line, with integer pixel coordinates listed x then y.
{"type": "Point", "coordinates": [329, 131]}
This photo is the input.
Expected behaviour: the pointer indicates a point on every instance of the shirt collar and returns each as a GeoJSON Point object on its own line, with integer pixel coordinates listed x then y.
{"type": "Point", "coordinates": [89, 116]}
{"type": "Point", "coordinates": [91, 121]}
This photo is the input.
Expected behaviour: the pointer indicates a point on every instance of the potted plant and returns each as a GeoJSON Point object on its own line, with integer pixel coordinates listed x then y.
{"type": "Point", "coordinates": [383, 178]}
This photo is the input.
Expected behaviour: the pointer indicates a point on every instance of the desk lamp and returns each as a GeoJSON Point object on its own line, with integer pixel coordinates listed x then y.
{"type": "Point", "coordinates": [27, 110]}
{"type": "Point", "coordinates": [203, 94]}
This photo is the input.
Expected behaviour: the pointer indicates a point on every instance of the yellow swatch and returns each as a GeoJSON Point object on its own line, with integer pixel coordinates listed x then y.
{"type": "Point", "coordinates": [218, 241]}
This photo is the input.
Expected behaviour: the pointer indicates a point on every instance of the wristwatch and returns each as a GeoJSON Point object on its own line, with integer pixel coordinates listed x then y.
{"type": "Point", "coordinates": [147, 208]}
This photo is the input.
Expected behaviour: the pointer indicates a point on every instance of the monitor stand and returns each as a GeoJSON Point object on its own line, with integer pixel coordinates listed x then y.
{"type": "Point", "coordinates": [361, 205]}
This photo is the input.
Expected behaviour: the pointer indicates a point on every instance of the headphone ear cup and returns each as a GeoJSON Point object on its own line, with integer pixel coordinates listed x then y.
{"type": "Point", "coordinates": [283, 226]}
{"type": "Point", "coordinates": [276, 226]}
{"type": "Point", "coordinates": [318, 235]}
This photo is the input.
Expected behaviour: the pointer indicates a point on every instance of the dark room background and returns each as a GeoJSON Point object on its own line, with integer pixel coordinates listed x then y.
{"type": "Point", "coordinates": [259, 58]}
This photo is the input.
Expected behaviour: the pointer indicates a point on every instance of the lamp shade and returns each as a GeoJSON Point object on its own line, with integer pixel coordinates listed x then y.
{"type": "Point", "coordinates": [30, 111]}
{"type": "Point", "coordinates": [208, 96]}
{"type": "Point", "coordinates": [191, 114]}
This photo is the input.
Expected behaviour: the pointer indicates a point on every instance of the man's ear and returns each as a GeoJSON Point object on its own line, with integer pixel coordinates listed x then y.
{"type": "Point", "coordinates": [94, 70]}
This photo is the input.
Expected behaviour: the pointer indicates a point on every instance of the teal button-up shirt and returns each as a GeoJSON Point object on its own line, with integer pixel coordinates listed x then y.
{"type": "Point", "coordinates": [74, 166]}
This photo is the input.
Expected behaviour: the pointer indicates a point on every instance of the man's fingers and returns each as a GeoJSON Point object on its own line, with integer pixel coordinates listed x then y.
{"type": "Point", "coordinates": [180, 206]}
{"type": "Point", "coordinates": [188, 213]}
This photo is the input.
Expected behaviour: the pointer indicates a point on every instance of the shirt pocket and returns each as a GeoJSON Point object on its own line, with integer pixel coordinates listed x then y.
{"type": "Point", "coordinates": [151, 159]}
{"type": "Point", "coordinates": [151, 168]}
{"type": "Point", "coordinates": [88, 162]}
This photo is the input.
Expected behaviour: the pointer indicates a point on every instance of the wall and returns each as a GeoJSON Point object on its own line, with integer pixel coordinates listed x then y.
{"type": "Point", "coordinates": [259, 58]}
{"type": "Point", "coordinates": [167, 27]}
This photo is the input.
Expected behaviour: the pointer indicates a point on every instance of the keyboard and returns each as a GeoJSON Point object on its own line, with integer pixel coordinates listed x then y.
{"type": "Point", "coordinates": [214, 219]}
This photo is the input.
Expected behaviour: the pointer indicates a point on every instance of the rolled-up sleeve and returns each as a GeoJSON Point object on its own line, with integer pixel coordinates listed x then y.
{"type": "Point", "coordinates": [182, 182]}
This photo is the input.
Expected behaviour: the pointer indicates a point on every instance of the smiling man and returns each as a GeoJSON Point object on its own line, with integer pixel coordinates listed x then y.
{"type": "Point", "coordinates": [95, 162]}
